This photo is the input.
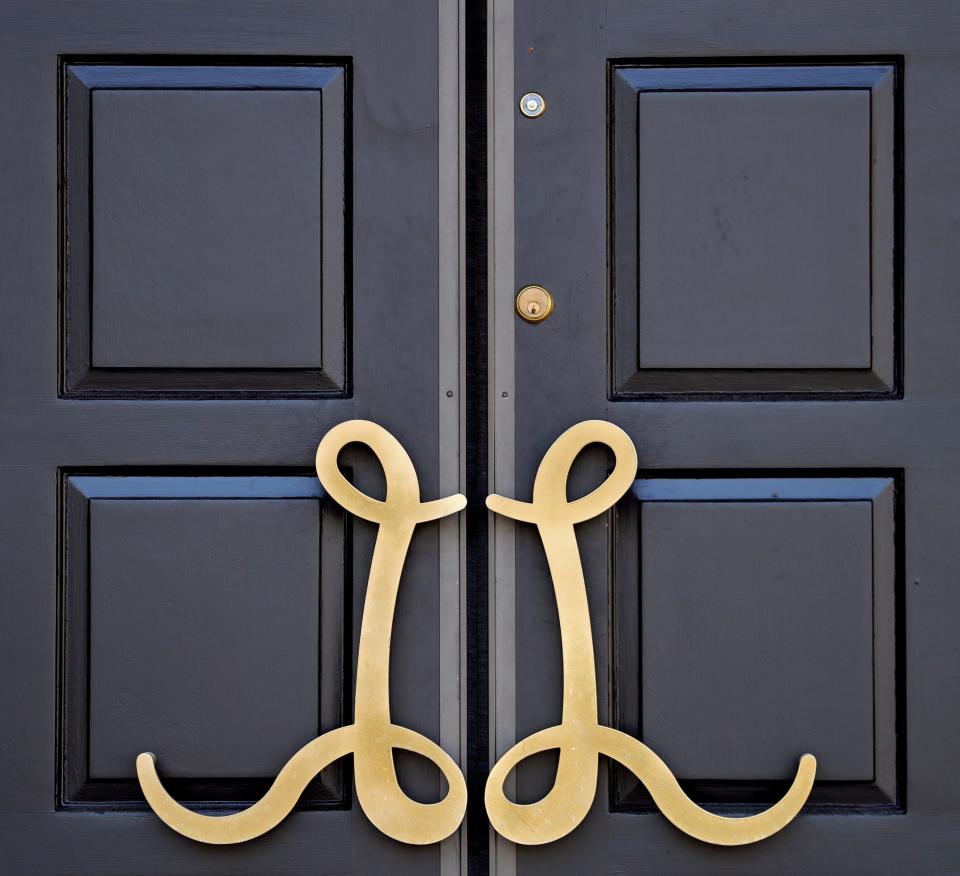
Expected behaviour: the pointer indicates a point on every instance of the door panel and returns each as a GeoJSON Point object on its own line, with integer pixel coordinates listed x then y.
{"type": "Point", "coordinates": [740, 210]}
{"type": "Point", "coordinates": [774, 600]}
{"type": "Point", "coordinates": [203, 598]}
{"type": "Point", "coordinates": [198, 207]}
{"type": "Point", "coordinates": [229, 227]}
{"type": "Point", "coordinates": [774, 276]}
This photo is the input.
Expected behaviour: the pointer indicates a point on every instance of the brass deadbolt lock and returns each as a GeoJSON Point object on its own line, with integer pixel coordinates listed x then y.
{"type": "Point", "coordinates": [534, 303]}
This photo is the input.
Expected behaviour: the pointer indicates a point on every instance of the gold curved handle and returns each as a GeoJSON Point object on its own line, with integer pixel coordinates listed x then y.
{"type": "Point", "coordinates": [372, 737]}
{"type": "Point", "coordinates": [579, 737]}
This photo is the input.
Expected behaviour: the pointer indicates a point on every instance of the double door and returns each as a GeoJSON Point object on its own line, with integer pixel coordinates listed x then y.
{"type": "Point", "coordinates": [229, 227]}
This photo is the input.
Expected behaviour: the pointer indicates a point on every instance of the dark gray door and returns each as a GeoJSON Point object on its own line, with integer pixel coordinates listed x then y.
{"type": "Point", "coordinates": [226, 228]}
{"type": "Point", "coordinates": [747, 214]}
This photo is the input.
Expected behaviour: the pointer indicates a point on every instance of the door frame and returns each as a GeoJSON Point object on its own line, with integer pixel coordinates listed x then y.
{"type": "Point", "coordinates": [502, 285]}
{"type": "Point", "coordinates": [451, 386]}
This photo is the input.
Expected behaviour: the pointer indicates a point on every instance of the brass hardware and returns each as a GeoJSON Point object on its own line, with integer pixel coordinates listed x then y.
{"type": "Point", "coordinates": [372, 737]}
{"type": "Point", "coordinates": [533, 105]}
{"type": "Point", "coordinates": [579, 737]}
{"type": "Point", "coordinates": [534, 303]}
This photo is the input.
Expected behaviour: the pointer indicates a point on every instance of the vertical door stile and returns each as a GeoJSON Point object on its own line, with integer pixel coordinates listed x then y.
{"type": "Point", "coordinates": [502, 672]}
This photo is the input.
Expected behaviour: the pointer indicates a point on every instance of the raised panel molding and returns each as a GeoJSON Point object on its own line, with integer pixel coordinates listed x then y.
{"type": "Point", "coordinates": [204, 230]}
{"type": "Point", "coordinates": [202, 618]}
{"type": "Point", "coordinates": [754, 230]}
{"type": "Point", "coordinates": [776, 601]}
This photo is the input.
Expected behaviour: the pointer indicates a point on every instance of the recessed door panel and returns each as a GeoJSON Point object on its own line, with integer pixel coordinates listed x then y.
{"type": "Point", "coordinates": [206, 217]}
{"type": "Point", "coordinates": [778, 272]}
{"type": "Point", "coordinates": [215, 600]}
{"type": "Point", "coordinates": [741, 597]}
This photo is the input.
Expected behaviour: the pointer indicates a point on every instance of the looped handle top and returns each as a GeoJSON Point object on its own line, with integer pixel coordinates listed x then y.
{"type": "Point", "coordinates": [550, 504]}
{"type": "Point", "coordinates": [403, 490]}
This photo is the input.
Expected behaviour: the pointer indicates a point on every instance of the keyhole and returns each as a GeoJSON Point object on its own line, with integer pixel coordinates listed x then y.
{"type": "Point", "coordinates": [534, 303]}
